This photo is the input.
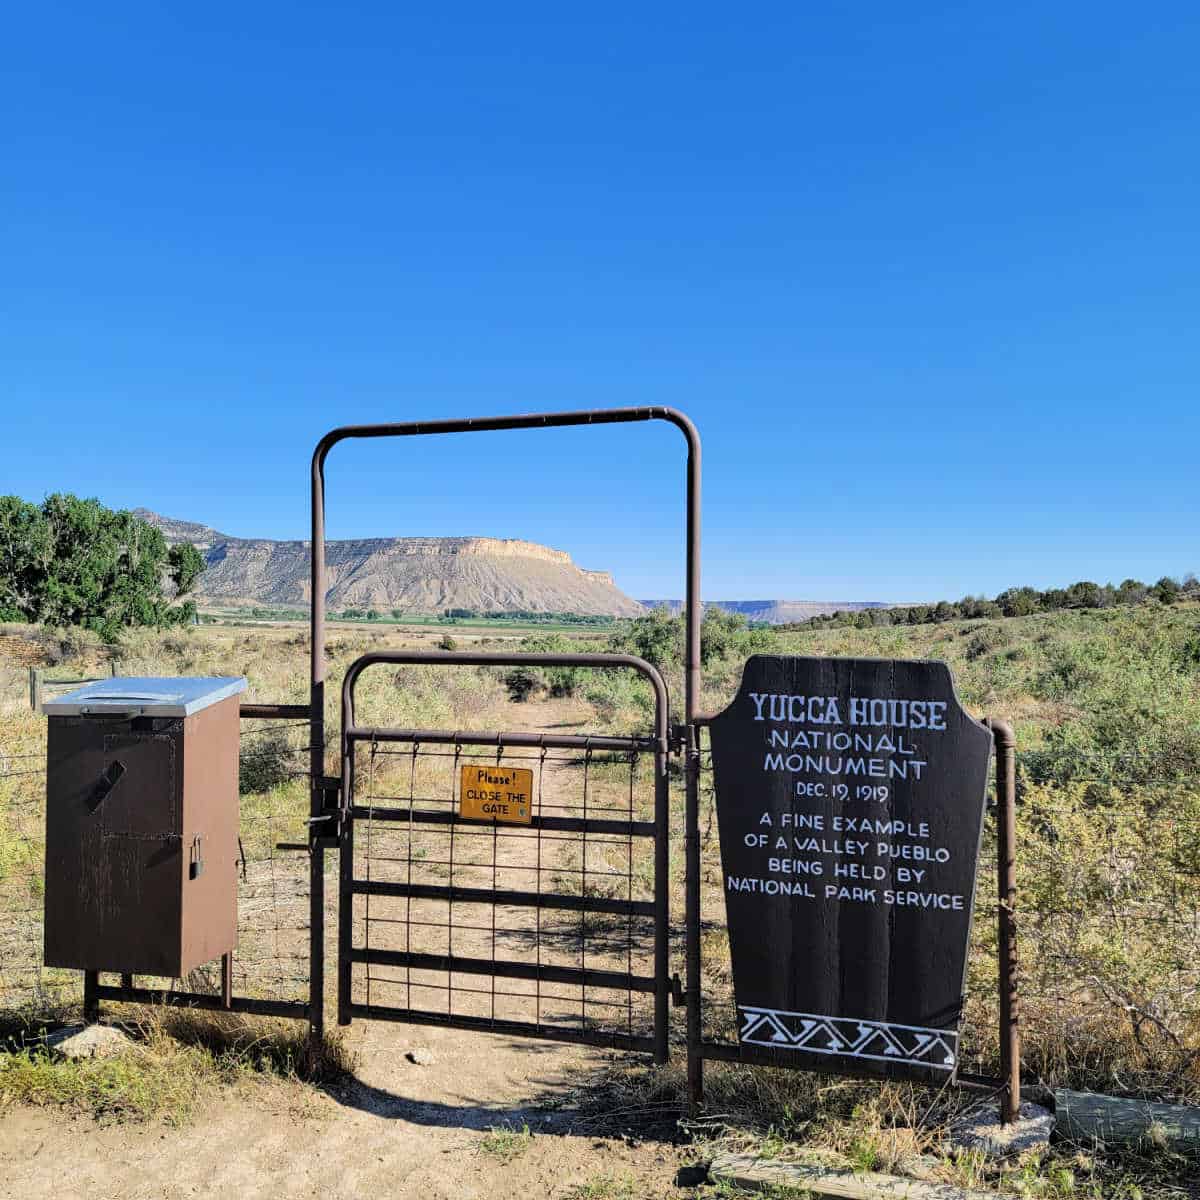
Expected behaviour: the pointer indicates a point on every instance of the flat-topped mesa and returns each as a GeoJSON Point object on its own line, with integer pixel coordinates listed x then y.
{"type": "Point", "coordinates": [410, 574]}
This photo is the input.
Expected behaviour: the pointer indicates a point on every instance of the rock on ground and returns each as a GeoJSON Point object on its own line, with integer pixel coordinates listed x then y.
{"type": "Point", "coordinates": [88, 1041]}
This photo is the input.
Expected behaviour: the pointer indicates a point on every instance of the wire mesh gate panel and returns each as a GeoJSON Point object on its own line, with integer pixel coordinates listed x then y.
{"type": "Point", "coordinates": [483, 923]}
{"type": "Point", "coordinates": [554, 929]}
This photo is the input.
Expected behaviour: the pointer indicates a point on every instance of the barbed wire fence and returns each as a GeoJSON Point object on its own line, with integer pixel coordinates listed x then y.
{"type": "Point", "coordinates": [271, 960]}
{"type": "Point", "coordinates": [1108, 869]}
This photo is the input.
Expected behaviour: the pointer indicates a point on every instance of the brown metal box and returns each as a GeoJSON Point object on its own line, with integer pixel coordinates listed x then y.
{"type": "Point", "coordinates": [142, 825]}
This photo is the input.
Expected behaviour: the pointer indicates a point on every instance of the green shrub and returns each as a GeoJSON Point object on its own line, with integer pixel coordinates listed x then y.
{"type": "Point", "coordinates": [524, 681]}
{"type": "Point", "coordinates": [985, 640]}
{"type": "Point", "coordinates": [75, 562]}
{"type": "Point", "coordinates": [267, 760]}
{"type": "Point", "coordinates": [656, 637]}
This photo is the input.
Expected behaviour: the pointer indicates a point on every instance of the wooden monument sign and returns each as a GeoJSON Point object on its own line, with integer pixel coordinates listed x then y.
{"type": "Point", "coordinates": [850, 796]}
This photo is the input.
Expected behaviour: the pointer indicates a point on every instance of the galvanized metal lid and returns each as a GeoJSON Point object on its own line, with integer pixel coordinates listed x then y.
{"type": "Point", "coordinates": [157, 696]}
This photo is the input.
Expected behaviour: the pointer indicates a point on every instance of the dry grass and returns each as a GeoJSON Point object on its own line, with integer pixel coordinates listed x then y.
{"type": "Point", "coordinates": [843, 1124]}
{"type": "Point", "coordinates": [506, 1142]}
{"type": "Point", "coordinates": [176, 1062]}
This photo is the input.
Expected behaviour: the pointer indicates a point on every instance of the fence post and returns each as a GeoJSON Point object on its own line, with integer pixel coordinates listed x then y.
{"type": "Point", "coordinates": [35, 689]}
{"type": "Point", "coordinates": [1006, 879]}
{"type": "Point", "coordinates": [691, 843]}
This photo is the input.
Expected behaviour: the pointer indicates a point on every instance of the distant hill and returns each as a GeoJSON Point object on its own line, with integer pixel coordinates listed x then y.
{"type": "Point", "coordinates": [777, 612]}
{"type": "Point", "coordinates": [418, 575]}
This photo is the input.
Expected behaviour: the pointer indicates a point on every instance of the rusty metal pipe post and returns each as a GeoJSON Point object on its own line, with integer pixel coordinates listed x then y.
{"type": "Point", "coordinates": [345, 874]}
{"type": "Point", "coordinates": [691, 842]}
{"type": "Point", "coordinates": [1006, 879]}
{"type": "Point", "coordinates": [316, 754]}
{"type": "Point", "coordinates": [693, 616]}
{"type": "Point", "coordinates": [662, 891]}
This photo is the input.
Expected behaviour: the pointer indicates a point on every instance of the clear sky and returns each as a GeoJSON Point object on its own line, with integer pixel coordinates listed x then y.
{"type": "Point", "coordinates": [927, 276]}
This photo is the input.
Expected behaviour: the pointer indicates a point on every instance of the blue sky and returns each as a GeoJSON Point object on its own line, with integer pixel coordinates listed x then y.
{"type": "Point", "coordinates": [926, 276]}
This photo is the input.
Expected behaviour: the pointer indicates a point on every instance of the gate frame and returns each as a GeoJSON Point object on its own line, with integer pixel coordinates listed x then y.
{"type": "Point", "coordinates": [324, 804]}
{"type": "Point", "coordinates": [659, 744]}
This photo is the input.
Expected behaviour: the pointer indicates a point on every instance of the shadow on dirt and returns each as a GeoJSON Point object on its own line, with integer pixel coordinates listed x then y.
{"type": "Point", "coordinates": [600, 1104]}
{"type": "Point", "coordinates": [470, 1113]}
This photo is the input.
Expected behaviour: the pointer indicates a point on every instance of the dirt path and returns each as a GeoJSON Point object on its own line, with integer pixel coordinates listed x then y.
{"type": "Point", "coordinates": [395, 1130]}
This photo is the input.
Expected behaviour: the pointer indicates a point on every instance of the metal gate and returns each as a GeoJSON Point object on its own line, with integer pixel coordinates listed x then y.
{"type": "Point", "coordinates": [555, 927]}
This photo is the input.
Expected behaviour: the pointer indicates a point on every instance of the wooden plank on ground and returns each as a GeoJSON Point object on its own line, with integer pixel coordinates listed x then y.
{"type": "Point", "coordinates": [758, 1174]}
{"type": "Point", "coordinates": [1083, 1115]}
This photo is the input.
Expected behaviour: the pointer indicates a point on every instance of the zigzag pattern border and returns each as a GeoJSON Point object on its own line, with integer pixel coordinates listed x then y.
{"type": "Point", "coordinates": [848, 1037]}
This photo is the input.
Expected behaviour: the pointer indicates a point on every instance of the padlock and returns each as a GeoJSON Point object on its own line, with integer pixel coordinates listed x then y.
{"type": "Point", "coordinates": [196, 866]}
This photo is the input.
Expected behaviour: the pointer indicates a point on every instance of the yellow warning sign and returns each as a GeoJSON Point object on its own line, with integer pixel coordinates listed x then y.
{"type": "Point", "coordinates": [496, 794]}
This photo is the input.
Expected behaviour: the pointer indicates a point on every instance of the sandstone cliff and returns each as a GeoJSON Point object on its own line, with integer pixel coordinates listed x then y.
{"type": "Point", "coordinates": [418, 575]}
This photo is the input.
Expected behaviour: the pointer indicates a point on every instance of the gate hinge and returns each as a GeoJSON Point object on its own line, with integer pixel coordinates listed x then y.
{"type": "Point", "coordinates": [677, 739]}
{"type": "Point", "coordinates": [678, 995]}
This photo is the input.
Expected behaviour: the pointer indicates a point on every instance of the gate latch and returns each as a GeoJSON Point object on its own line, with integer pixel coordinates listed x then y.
{"type": "Point", "coordinates": [324, 830]}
